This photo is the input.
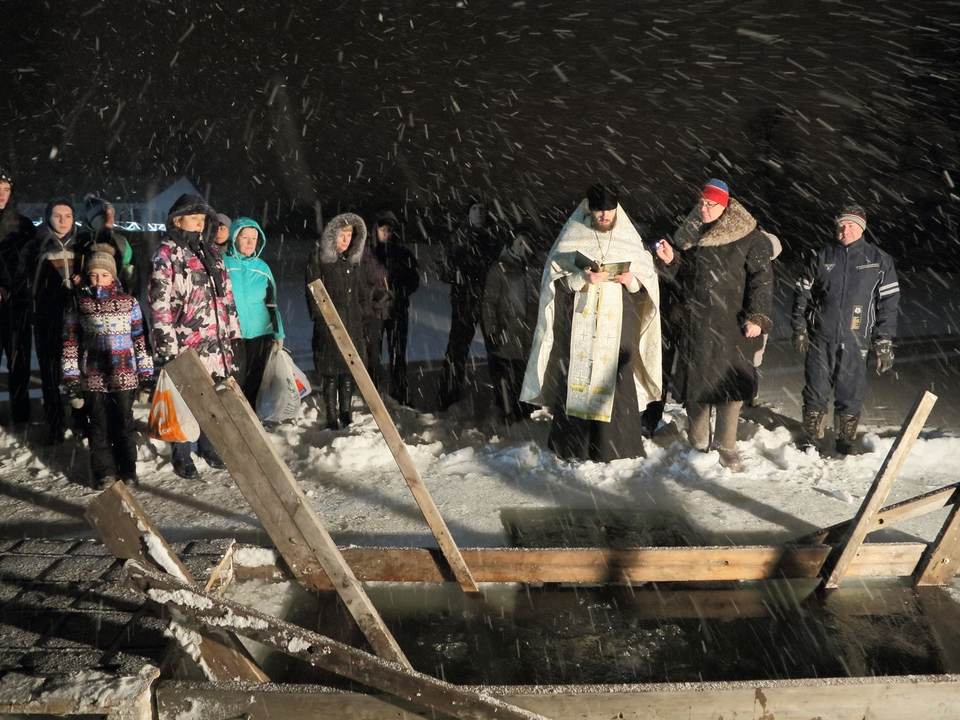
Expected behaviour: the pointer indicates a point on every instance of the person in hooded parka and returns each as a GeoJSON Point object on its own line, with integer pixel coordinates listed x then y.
{"type": "Point", "coordinates": [336, 262]}
{"type": "Point", "coordinates": [255, 293]}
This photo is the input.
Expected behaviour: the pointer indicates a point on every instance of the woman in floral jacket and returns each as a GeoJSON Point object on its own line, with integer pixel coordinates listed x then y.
{"type": "Point", "coordinates": [192, 306]}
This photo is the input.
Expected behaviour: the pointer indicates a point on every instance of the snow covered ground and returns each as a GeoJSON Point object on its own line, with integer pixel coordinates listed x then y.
{"type": "Point", "coordinates": [499, 485]}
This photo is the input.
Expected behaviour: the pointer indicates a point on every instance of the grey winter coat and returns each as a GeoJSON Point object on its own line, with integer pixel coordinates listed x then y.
{"type": "Point", "coordinates": [342, 276]}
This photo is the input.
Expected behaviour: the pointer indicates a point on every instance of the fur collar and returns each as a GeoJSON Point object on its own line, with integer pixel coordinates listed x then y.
{"type": "Point", "coordinates": [735, 223]}
{"type": "Point", "coordinates": [327, 244]}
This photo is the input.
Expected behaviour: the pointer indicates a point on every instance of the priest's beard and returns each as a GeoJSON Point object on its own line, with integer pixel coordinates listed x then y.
{"type": "Point", "coordinates": [608, 226]}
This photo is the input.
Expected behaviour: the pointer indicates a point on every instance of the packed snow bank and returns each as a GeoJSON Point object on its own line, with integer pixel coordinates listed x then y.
{"type": "Point", "coordinates": [494, 484]}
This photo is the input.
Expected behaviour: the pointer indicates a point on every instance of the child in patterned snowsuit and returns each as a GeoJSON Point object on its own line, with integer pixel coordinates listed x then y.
{"type": "Point", "coordinates": [105, 362]}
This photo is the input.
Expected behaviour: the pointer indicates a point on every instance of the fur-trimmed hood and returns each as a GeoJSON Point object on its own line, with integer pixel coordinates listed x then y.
{"type": "Point", "coordinates": [735, 223]}
{"type": "Point", "coordinates": [327, 244]}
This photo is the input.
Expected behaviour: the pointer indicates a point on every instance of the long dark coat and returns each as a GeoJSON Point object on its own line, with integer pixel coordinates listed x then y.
{"type": "Point", "coordinates": [726, 281]}
{"type": "Point", "coordinates": [342, 275]}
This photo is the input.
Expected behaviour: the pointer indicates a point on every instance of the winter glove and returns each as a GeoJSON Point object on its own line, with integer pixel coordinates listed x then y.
{"type": "Point", "coordinates": [883, 349]}
{"type": "Point", "coordinates": [74, 394]}
{"type": "Point", "coordinates": [145, 391]}
{"type": "Point", "coordinates": [801, 341]}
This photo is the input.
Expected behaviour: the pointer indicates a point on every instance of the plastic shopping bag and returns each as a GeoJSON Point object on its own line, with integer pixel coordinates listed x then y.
{"type": "Point", "coordinates": [300, 378]}
{"type": "Point", "coordinates": [170, 418]}
{"type": "Point", "coordinates": [278, 398]}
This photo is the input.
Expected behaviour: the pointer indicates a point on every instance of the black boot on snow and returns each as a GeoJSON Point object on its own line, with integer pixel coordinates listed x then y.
{"type": "Point", "coordinates": [845, 425]}
{"type": "Point", "coordinates": [329, 384]}
{"type": "Point", "coordinates": [812, 434]}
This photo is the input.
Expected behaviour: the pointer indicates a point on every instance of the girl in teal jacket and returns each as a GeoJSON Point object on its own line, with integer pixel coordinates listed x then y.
{"type": "Point", "coordinates": [255, 293]}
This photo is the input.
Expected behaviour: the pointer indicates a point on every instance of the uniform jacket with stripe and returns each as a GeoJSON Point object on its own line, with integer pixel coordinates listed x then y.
{"type": "Point", "coordinates": [848, 294]}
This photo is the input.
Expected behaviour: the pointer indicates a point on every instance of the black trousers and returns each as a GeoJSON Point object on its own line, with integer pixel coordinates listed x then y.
{"type": "Point", "coordinates": [250, 356]}
{"type": "Point", "coordinates": [573, 438]}
{"type": "Point", "coordinates": [507, 376]}
{"type": "Point", "coordinates": [111, 434]}
{"type": "Point", "coordinates": [395, 330]}
{"type": "Point", "coordinates": [181, 450]}
{"type": "Point", "coordinates": [837, 367]}
{"type": "Point", "coordinates": [466, 304]}
{"type": "Point", "coordinates": [48, 335]}
{"type": "Point", "coordinates": [16, 341]}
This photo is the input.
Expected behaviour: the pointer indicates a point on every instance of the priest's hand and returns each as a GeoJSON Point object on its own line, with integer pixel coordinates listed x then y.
{"type": "Point", "coordinates": [595, 278]}
{"type": "Point", "coordinates": [624, 278]}
{"type": "Point", "coordinates": [665, 251]}
{"type": "Point", "coordinates": [751, 330]}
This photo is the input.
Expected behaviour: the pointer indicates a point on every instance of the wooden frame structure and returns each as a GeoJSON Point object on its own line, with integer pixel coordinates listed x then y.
{"type": "Point", "coordinates": [313, 558]}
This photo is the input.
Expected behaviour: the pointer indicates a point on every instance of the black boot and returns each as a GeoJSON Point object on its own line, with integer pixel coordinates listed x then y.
{"type": "Point", "coordinates": [329, 385]}
{"type": "Point", "coordinates": [846, 426]}
{"type": "Point", "coordinates": [345, 391]}
{"type": "Point", "coordinates": [813, 422]}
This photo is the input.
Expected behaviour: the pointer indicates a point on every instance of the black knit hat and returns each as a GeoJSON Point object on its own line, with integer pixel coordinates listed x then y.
{"type": "Point", "coordinates": [188, 204]}
{"type": "Point", "coordinates": [5, 175]}
{"type": "Point", "coordinates": [603, 197]}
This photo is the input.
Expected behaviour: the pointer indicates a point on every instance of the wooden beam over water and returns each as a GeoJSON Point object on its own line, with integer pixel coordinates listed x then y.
{"type": "Point", "coordinates": [320, 651]}
{"type": "Point", "coordinates": [599, 566]}
{"type": "Point", "coordinates": [274, 494]}
{"type": "Point", "coordinates": [837, 566]}
{"type": "Point", "coordinates": [396, 444]}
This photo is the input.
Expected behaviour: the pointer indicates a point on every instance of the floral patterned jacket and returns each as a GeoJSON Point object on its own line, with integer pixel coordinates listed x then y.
{"type": "Point", "coordinates": [189, 308]}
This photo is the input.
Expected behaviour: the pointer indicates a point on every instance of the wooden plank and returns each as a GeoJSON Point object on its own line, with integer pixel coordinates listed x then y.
{"type": "Point", "coordinates": [877, 698]}
{"type": "Point", "coordinates": [398, 447]}
{"type": "Point", "coordinates": [891, 515]}
{"type": "Point", "coordinates": [274, 494]}
{"type": "Point", "coordinates": [124, 697]}
{"type": "Point", "coordinates": [222, 574]}
{"type": "Point", "coordinates": [939, 563]}
{"type": "Point", "coordinates": [597, 566]}
{"type": "Point", "coordinates": [839, 563]}
{"type": "Point", "coordinates": [320, 651]}
{"type": "Point", "coordinates": [129, 533]}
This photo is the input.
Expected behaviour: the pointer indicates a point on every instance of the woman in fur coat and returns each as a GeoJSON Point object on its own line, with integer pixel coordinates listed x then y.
{"type": "Point", "coordinates": [724, 272]}
{"type": "Point", "coordinates": [336, 261]}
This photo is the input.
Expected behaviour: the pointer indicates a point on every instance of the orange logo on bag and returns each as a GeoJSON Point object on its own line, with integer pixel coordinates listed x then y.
{"type": "Point", "coordinates": [163, 418]}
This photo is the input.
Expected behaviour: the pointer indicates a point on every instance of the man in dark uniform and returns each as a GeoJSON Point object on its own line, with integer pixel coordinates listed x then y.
{"type": "Point", "coordinates": [845, 304]}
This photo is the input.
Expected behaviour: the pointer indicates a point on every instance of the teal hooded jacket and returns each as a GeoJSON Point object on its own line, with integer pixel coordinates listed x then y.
{"type": "Point", "coordinates": [254, 288]}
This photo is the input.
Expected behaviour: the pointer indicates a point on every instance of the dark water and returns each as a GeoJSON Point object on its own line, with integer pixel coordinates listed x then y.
{"type": "Point", "coordinates": [518, 635]}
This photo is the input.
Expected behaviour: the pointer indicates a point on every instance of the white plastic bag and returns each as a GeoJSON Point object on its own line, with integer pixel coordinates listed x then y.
{"type": "Point", "coordinates": [170, 418]}
{"type": "Point", "coordinates": [278, 398]}
{"type": "Point", "coordinates": [303, 385]}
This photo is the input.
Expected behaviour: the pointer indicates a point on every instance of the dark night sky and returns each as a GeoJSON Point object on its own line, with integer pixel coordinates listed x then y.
{"type": "Point", "coordinates": [800, 105]}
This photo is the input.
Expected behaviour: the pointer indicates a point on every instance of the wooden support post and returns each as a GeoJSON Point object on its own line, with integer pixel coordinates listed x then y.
{"type": "Point", "coordinates": [835, 570]}
{"type": "Point", "coordinates": [389, 431]}
{"type": "Point", "coordinates": [274, 495]}
{"type": "Point", "coordinates": [319, 650]}
{"type": "Point", "coordinates": [939, 563]}
{"type": "Point", "coordinates": [889, 516]}
{"type": "Point", "coordinates": [129, 534]}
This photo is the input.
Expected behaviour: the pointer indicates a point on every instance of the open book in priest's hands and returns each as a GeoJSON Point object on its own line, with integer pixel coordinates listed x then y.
{"type": "Point", "coordinates": [585, 261]}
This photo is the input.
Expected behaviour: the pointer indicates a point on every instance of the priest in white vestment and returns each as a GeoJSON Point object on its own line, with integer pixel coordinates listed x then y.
{"type": "Point", "coordinates": [595, 360]}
